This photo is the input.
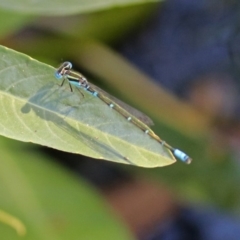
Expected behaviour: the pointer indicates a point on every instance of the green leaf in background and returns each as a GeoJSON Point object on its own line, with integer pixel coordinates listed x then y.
{"type": "Point", "coordinates": [49, 202]}
{"type": "Point", "coordinates": [35, 109]}
{"type": "Point", "coordinates": [56, 7]}
{"type": "Point", "coordinates": [13, 222]}
{"type": "Point", "coordinates": [100, 25]}
{"type": "Point", "coordinates": [11, 22]}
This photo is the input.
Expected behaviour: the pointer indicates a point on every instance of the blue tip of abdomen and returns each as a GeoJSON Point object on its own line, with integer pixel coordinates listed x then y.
{"type": "Point", "coordinates": [182, 156]}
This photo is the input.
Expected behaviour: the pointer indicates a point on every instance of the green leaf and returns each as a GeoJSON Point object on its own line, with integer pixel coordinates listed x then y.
{"type": "Point", "coordinates": [48, 202]}
{"type": "Point", "coordinates": [34, 108]}
{"type": "Point", "coordinates": [56, 7]}
{"type": "Point", "coordinates": [13, 222]}
{"type": "Point", "coordinates": [10, 22]}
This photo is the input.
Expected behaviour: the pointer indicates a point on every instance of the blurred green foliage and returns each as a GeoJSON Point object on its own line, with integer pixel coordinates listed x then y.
{"type": "Point", "coordinates": [50, 202]}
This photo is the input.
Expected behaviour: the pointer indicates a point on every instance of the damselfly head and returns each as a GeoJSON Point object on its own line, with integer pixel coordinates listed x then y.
{"type": "Point", "coordinates": [67, 65]}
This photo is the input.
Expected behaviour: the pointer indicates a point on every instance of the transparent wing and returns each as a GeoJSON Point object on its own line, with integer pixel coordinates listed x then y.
{"type": "Point", "coordinates": [136, 113]}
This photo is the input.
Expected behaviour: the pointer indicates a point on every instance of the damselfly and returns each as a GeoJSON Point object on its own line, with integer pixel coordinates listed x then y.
{"type": "Point", "coordinates": [76, 79]}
